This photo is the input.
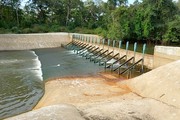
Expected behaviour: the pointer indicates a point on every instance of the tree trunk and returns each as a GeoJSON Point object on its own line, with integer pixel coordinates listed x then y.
{"type": "Point", "coordinates": [17, 16]}
{"type": "Point", "coordinates": [68, 12]}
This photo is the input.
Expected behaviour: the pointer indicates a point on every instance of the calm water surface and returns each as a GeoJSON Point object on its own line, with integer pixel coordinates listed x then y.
{"type": "Point", "coordinates": [59, 62]}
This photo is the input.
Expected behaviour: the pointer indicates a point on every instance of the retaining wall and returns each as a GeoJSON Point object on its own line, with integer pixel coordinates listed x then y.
{"type": "Point", "coordinates": [165, 54]}
{"type": "Point", "coordinates": [32, 41]}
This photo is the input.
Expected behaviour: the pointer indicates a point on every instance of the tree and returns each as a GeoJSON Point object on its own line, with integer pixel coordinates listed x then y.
{"type": "Point", "coordinates": [9, 12]}
{"type": "Point", "coordinates": [157, 14]}
{"type": "Point", "coordinates": [173, 32]}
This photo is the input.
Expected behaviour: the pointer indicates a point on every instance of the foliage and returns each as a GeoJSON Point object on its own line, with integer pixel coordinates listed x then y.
{"type": "Point", "coordinates": [173, 33]}
{"type": "Point", "coordinates": [151, 21]}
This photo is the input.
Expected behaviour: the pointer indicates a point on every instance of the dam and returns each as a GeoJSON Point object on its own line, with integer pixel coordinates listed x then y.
{"type": "Point", "coordinates": [24, 72]}
{"type": "Point", "coordinates": [29, 66]}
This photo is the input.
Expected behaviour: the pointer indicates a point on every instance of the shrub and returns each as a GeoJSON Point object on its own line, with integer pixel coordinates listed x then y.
{"type": "Point", "coordinates": [15, 30]}
{"type": "Point", "coordinates": [4, 31]}
{"type": "Point", "coordinates": [40, 28]}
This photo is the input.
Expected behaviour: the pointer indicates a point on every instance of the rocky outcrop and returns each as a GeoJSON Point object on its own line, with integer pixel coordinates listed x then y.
{"type": "Point", "coordinates": [132, 109]}
{"type": "Point", "coordinates": [54, 112]}
{"type": "Point", "coordinates": [162, 84]}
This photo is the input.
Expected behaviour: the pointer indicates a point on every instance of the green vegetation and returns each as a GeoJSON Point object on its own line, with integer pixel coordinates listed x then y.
{"type": "Point", "coordinates": [150, 21]}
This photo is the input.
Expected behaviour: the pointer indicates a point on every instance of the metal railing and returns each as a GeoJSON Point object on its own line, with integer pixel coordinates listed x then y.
{"type": "Point", "coordinates": [118, 68]}
{"type": "Point", "coordinates": [131, 67]}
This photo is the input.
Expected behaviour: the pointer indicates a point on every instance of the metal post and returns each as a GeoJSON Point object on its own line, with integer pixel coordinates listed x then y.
{"type": "Point", "coordinates": [108, 44]}
{"type": "Point", "coordinates": [113, 45]}
{"type": "Point", "coordinates": [103, 43]}
{"type": "Point", "coordinates": [135, 48]}
{"type": "Point", "coordinates": [83, 39]}
{"type": "Point", "coordinates": [120, 44]}
{"type": "Point", "coordinates": [92, 39]}
{"type": "Point", "coordinates": [89, 39]}
{"type": "Point", "coordinates": [86, 39]}
{"type": "Point", "coordinates": [127, 46]}
{"type": "Point", "coordinates": [143, 52]}
{"type": "Point", "coordinates": [98, 42]}
{"type": "Point", "coordinates": [95, 41]}
{"type": "Point", "coordinates": [72, 37]}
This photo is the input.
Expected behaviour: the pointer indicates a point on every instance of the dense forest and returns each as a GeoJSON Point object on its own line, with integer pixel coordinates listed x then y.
{"type": "Point", "coordinates": [152, 21]}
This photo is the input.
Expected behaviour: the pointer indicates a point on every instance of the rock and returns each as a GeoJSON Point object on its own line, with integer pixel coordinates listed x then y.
{"type": "Point", "coordinates": [80, 90]}
{"type": "Point", "coordinates": [54, 112]}
{"type": "Point", "coordinates": [137, 109]}
{"type": "Point", "coordinates": [162, 84]}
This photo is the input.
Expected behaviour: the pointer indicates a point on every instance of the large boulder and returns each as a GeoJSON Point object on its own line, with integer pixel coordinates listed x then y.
{"type": "Point", "coordinates": [132, 109]}
{"type": "Point", "coordinates": [162, 84]}
{"type": "Point", "coordinates": [54, 112]}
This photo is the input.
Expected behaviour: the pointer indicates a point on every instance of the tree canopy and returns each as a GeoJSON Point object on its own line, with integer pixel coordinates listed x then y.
{"type": "Point", "coordinates": [156, 21]}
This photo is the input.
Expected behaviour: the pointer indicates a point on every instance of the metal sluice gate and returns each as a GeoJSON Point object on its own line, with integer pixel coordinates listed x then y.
{"type": "Point", "coordinates": [96, 51]}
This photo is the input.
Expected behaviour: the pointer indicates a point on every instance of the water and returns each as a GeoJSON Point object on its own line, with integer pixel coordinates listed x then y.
{"type": "Point", "coordinates": [22, 75]}
{"type": "Point", "coordinates": [21, 84]}
{"type": "Point", "coordinates": [59, 62]}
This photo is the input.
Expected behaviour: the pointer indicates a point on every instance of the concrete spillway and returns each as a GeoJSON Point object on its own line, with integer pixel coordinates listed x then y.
{"type": "Point", "coordinates": [32, 41]}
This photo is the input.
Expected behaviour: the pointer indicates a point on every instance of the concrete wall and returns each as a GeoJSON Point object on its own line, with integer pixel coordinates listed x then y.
{"type": "Point", "coordinates": [164, 55]}
{"type": "Point", "coordinates": [32, 41]}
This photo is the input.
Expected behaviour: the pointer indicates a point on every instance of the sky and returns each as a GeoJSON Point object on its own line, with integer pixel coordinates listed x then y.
{"type": "Point", "coordinates": [132, 1]}
{"type": "Point", "coordinates": [129, 1]}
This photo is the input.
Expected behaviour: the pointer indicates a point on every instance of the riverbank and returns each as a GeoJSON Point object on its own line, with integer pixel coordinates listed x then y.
{"type": "Point", "coordinates": [152, 96]}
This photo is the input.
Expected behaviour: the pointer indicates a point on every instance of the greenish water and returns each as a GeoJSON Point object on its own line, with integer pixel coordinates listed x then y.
{"type": "Point", "coordinates": [59, 62]}
{"type": "Point", "coordinates": [23, 74]}
{"type": "Point", "coordinates": [21, 84]}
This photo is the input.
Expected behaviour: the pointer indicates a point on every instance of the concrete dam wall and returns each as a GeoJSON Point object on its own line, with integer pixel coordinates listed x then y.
{"type": "Point", "coordinates": [162, 54]}
{"type": "Point", "coordinates": [33, 41]}
{"type": "Point", "coordinates": [165, 54]}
